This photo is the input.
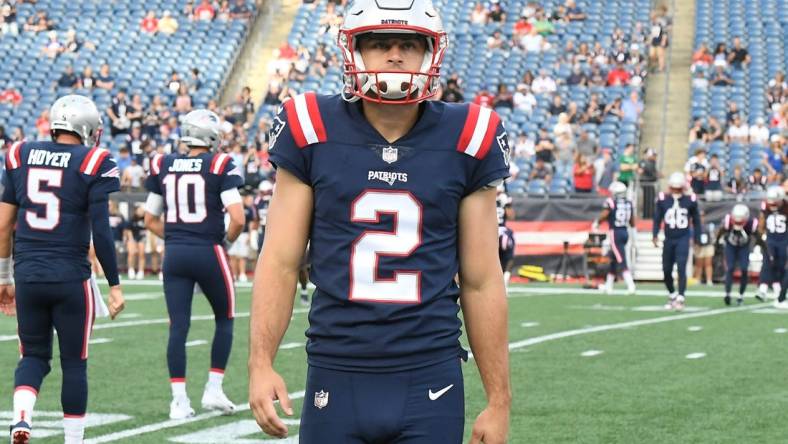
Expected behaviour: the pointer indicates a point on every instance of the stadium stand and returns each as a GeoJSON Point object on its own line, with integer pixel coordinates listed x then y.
{"type": "Point", "coordinates": [618, 26]}
{"type": "Point", "coordinates": [140, 62]}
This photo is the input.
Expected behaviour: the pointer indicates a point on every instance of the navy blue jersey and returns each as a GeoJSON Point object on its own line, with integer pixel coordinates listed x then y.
{"type": "Point", "coordinates": [714, 179]}
{"type": "Point", "coordinates": [261, 206]}
{"type": "Point", "coordinates": [502, 203]}
{"type": "Point", "coordinates": [775, 222]}
{"type": "Point", "coordinates": [384, 232]}
{"type": "Point", "coordinates": [738, 236]}
{"type": "Point", "coordinates": [192, 188]}
{"type": "Point", "coordinates": [677, 215]}
{"type": "Point", "coordinates": [53, 184]}
{"type": "Point", "coordinates": [619, 213]}
{"type": "Point", "coordinates": [250, 214]}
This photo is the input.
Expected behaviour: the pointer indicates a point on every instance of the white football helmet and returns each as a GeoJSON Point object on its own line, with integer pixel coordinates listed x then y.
{"type": "Point", "coordinates": [201, 128]}
{"type": "Point", "coordinates": [740, 214]}
{"type": "Point", "coordinates": [265, 187]}
{"type": "Point", "coordinates": [79, 115]}
{"type": "Point", "coordinates": [677, 182]}
{"type": "Point", "coordinates": [391, 17]}
{"type": "Point", "coordinates": [618, 189]}
{"type": "Point", "coordinates": [775, 196]}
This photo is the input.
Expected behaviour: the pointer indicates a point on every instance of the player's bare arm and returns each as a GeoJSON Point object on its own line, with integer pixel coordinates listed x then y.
{"type": "Point", "coordinates": [287, 231]}
{"type": "Point", "coordinates": [485, 311]}
{"type": "Point", "coordinates": [7, 221]}
{"type": "Point", "coordinates": [236, 212]}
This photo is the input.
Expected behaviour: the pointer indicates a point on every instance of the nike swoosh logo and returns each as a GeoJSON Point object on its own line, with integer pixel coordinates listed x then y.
{"type": "Point", "coordinates": [439, 393]}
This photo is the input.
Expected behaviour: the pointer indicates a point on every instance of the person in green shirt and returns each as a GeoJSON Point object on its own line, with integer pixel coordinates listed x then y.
{"type": "Point", "coordinates": [627, 165]}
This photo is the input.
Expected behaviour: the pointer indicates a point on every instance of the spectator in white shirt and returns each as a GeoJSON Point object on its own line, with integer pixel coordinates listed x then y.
{"type": "Point", "coordinates": [524, 101]}
{"type": "Point", "coordinates": [738, 132]}
{"type": "Point", "coordinates": [759, 133]}
{"type": "Point", "coordinates": [543, 84]}
{"type": "Point", "coordinates": [533, 41]}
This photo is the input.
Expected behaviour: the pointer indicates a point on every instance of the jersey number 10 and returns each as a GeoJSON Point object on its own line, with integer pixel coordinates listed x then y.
{"type": "Point", "coordinates": [185, 196]}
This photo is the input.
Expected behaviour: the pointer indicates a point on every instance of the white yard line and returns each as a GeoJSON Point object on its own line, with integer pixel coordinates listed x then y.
{"type": "Point", "coordinates": [512, 346]}
{"type": "Point", "coordinates": [515, 292]}
{"type": "Point", "coordinates": [155, 427]}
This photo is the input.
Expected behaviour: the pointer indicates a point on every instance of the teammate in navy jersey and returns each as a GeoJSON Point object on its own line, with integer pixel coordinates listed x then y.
{"type": "Point", "coordinates": [619, 213]}
{"type": "Point", "coordinates": [57, 194]}
{"type": "Point", "coordinates": [677, 210]}
{"type": "Point", "coordinates": [737, 233]}
{"type": "Point", "coordinates": [773, 222]}
{"type": "Point", "coordinates": [192, 191]}
{"type": "Point", "coordinates": [396, 194]}
{"type": "Point", "coordinates": [506, 242]}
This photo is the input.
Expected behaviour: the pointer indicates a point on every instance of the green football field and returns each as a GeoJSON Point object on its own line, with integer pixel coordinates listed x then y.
{"type": "Point", "coordinates": [586, 368]}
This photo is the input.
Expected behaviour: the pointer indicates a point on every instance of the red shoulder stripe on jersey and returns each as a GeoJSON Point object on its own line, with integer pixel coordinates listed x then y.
{"type": "Point", "coordinates": [218, 163]}
{"type": "Point", "coordinates": [155, 164]}
{"type": "Point", "coordinates": [727, 222]}
{"type": "Point", "coordinates": [492, 125]}
{"type": "Point", "coordinates": [610, 203]}
{"type": "Point", "coordinates": [470, 125]}
{"type": "Point", "coordinates": [315, 117]}
{"type": "Point", "coordinates": [92, 162]}
{"type": "Point", "coordinates": [295, 124]}
{"type": "Point", "coordinates": [14, 159]}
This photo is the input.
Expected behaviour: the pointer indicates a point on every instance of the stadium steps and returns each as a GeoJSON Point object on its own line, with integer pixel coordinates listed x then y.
{"type": "Point", "coordinates": [268, 32]}
{"type": "Point", "coordinates": [648, 262]}
{"type": "Point", "coordinates": [673, 108]}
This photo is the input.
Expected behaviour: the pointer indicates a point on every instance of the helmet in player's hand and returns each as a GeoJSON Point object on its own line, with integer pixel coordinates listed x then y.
{"type": "Point", "coordinates": [411, 17]}
{"type": "Point", "coordinates": [740, 214]}
{"type": "Point", "coordinates": [775, 196]}
{"type": "Point", "coordinates": [76, 114]}
{"type": "Point", "coordinates": [677, 182]}
{"type": "Point", "coordinates": [201, 128]}
{"type": "Point", "coordinates": [618, 189]}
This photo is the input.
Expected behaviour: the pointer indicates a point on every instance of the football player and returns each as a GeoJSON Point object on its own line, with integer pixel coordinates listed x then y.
{"type": "Point", "coordinates": [774, 223]}
{"type": "Point", "coordinates": [506, 242]}
{"type": "Point", "coordinates": [193, 191]}
{"type": "Point", "coordinates": [619, 214]}
{"type": "Point", "coordinates": [395, 193]}
{"type": "Point", "coordinates": [57, 194]}
{"type": "Point", "coordinates": [680, 213]}
{"type": "Point", "coordinates": [737, 233]}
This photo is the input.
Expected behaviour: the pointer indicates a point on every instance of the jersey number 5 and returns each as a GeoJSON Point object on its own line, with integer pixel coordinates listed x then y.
{"type": "Point", "coordinates": [405, 285]}
{"type": "Point", "coordinates": [53, 179]}
{"type": "Point", "coordinates": [185, 198]}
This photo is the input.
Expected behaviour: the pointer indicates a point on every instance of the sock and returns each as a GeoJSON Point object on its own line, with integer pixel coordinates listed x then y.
{"type": "Point", "coordinates": [628, 279]}
{"type": "Point", "coordinates": [178, 386]}
{"type": "Point", "coordinates": [215, 378]}
{"type": "Point", "coordinates": [74, 429]}
{"type": "Point", "coordinates": [680, 298]}
{"type": "Point", "coordinates": [776, 287]}
{"type": "Point", "coordinates": [610, 279]}
{"type": "Point", "coordinates": [763, 288]}
{"type": "Point", "coordinates": [506, 276]}
{"type": "Point", "coordinates": [24, 401]}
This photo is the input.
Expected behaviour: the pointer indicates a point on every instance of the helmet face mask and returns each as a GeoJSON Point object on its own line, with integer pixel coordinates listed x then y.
{"type": "Point", "coordinates": [391, 17]}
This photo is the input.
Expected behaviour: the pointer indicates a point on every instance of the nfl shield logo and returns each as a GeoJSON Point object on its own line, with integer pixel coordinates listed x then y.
{"type": "Point", "coordinates": [321, 399]}
{"type": "Point", "coordinates": [389, 154]}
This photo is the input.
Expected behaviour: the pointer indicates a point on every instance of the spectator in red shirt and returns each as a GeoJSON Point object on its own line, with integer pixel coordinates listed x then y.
{"type": "Point", "coordinates": [618, 76]}
{"type": "Point", "coordinates": [11, 95]}
{"type": "Point", "coordinates": [583, 174]}
{"type": "Point", "coordinates": [484, 98]}
{"type": "Point", "coordinates": [204, 11]}
{"type": "Point", "coordinates": [150, 23]}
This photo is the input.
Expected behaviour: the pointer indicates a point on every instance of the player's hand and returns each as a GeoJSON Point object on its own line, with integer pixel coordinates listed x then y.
{"type": "Point", "coordinates": [265, 387]}
{"type": "Point", "coordinates": [116, 301]}
{"type": "Point", "coordinates": [491, 426]}
{"type": "Point", "coordinates": [655, 241]}
{"type": "Point", "coordinates": [7, 300]}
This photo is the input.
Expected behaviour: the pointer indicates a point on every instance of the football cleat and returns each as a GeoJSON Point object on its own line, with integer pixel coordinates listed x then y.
{"type": "Point", "coordinates": [671, 302]}
{"type": "Point", "coordinates": [739, 301]}
{"type": "Point", "coordinates": [215, 399]}
{"type": "Point", "coordinates": [760, 296]}
{"type": "Point", "coordinates": [678, 304]}
{"type": "Point", "coordinates": [181, 408]}
{"type": "Point", "coordinates": [20, 433]}
{"type": "Point", "coordinates": [781, 305]}
{"type": "Point", "coordinates": [631, 290]}
{"type": "Point", "coordinates": [727, 300]}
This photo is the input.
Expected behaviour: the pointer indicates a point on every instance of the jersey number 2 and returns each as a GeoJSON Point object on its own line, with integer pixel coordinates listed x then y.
{"type": "Point", "coordinates": [181, 206]}
{"type": "Point", "coordinates": [405, 285]}
{"type": "Point", "coordinates": [51, 217]}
